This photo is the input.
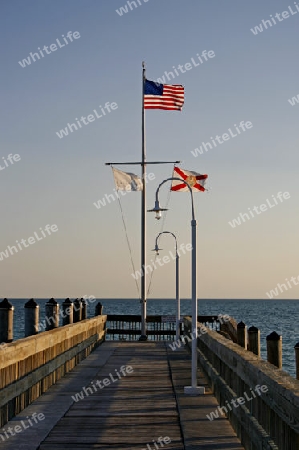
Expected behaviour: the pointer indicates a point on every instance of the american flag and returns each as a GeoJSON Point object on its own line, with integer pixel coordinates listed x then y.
{"type": "Point", "coordinates": [195, 180]}
{"type": "Point", "coordinates": [163, 96]}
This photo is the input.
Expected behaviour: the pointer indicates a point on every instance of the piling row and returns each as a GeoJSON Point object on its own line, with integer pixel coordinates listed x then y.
{"type": "Point", "coordinates": [251, 340]}
{"type": "Point", "coordinates": [71, 312]}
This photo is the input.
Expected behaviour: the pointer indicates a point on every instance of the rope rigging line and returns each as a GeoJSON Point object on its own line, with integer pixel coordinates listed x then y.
{"type": "Point", "coordinates": [128, 242]}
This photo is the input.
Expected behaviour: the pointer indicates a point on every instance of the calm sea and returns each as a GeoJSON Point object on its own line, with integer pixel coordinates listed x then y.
{"type": "Point", "coordinates": [281, 316]}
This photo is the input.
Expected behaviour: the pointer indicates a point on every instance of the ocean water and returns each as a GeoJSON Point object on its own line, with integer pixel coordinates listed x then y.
{"type": "Point", "coordinates": [281, 316]}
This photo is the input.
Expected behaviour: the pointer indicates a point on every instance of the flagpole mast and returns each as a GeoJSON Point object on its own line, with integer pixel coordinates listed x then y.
{"type": "Point", "coordinates": [143, 163]}
{"type": "Point", "coordinates": [143, 336]}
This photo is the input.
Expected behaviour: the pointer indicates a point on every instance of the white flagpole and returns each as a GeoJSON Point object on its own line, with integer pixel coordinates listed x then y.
{"type": "Point", "coordinates": [143, 336]}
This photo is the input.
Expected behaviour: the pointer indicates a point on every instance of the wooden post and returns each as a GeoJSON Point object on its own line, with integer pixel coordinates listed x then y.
{"type": "Point", "coordinates": [99, 309]}
{"type": "Point", "coordinates": [52, 314]}
{"type": "Point", "coordinates": [31, 318]}
{"type": "Point", "coordinates": [274, 349]}
{"type": "Point", "coordinates": [254, 338]}
{"type": "Point", "coordinates": [242, 334]}
{"type": "Point", "coordinates": [297, 359]}
{"type": "Point", "coordinates": [6, 321]}
{"type": "Point", "coordinates": [84, 309]}
{"type": "Point", "coordinates": [77, 310]}
{"type": "Point", "coordinates": [68, 312]}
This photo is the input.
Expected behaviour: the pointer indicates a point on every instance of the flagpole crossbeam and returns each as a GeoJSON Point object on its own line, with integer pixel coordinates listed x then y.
{"type": "Point", "coordinates": [141, 163]}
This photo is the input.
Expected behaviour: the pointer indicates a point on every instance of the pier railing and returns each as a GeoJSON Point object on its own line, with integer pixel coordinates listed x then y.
{"type": "Point", "coordinates": [122, 327]}
{"type": "Point", "coordinates": [268, 420]}
{"type": "Point", "coordinates": [29, 366]}
{"type": "Point", "coordinates": [229, 327]}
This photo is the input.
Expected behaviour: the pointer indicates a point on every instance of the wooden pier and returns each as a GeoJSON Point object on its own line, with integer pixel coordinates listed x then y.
{"type": "Point", "coordinates": [92, 384]}
{"type": "Point", "coordinates": [135, 410]}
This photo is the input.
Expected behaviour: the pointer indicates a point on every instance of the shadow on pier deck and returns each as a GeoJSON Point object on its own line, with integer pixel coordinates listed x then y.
{"type": "Point", "coordinates": [131, 411]}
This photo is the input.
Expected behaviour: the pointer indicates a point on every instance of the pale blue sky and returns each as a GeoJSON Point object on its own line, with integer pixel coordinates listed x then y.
{"type": "Point", "coordinates": [57, 180]}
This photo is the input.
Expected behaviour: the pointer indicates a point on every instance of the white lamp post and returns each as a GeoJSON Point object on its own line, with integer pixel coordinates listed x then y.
{"type": "Point", "coordinates": [177, 279]}
{"type": "Point", "coordinates": [193, 389]}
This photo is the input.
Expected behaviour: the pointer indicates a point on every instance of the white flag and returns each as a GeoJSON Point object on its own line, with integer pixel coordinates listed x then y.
{"type": "Point", "coordinates": [126, 181]}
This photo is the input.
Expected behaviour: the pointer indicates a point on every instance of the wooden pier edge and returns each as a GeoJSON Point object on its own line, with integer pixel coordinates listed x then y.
{"type": "Point", "coordinates": [29, 366]}
{"type": "Point", "coordinates": [269, 421]}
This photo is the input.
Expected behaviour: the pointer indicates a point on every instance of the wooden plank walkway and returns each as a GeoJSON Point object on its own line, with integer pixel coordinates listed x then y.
{"type": "Point", "coordinates": [130, 412]}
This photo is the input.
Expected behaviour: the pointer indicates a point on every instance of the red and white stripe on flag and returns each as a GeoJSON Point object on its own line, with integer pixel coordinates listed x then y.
{"type": "Point", "coordinates": [195, 180]}
{"type": "Point", "coordinates": [171, 98]}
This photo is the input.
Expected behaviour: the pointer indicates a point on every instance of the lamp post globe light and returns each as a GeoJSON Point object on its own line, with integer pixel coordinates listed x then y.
{"type": "Point", "coordinates": [177, 278]}
{"type": "Point", "coordinates": [193, 389]}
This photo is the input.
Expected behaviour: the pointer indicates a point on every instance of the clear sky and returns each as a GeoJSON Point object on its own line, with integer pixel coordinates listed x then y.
{"type": "Point", "coordinates": [57, 181]}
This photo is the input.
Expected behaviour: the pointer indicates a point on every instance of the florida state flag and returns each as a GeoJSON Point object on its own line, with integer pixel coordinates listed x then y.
{"type": "Point", "coordinates": [195, 180]}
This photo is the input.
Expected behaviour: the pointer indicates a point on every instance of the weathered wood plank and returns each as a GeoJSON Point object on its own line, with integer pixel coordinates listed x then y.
{"type": "Point", "coordinates": [130, 413]}
{"type": "Point", "coordinates": [133, 411]}
{"type": "Point", "coordinates": [199, 432]}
